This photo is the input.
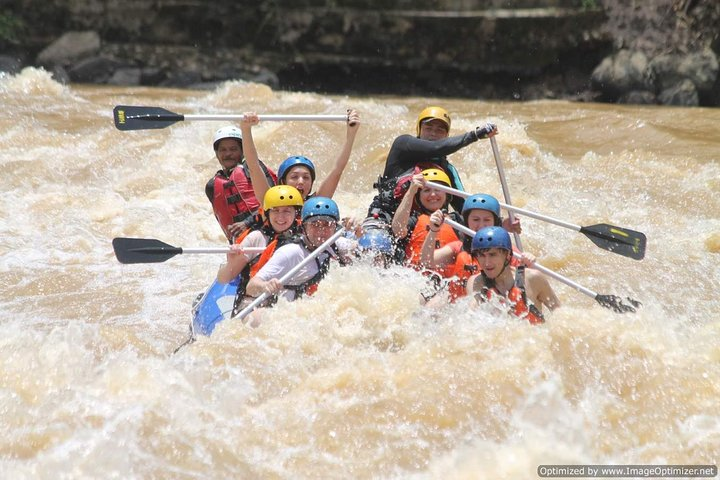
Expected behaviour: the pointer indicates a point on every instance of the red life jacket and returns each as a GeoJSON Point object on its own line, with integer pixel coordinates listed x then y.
{"type": "Point", "coordinates": [233, 197]}
{"type": "Point", "coordinates": [413, 248]}
{"type": "Point", "coordinates": [404, 180]}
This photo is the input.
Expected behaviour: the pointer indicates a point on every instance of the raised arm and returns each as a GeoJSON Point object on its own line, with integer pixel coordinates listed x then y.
{"type": "Point", "coordinates": [257, 175]}
{"type": "Point", "coordinates": [402, 214]}
{"type": "Point", "coordinates": [329, 184]}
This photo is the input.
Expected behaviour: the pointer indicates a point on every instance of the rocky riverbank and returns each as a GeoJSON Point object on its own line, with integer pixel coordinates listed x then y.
{"type": "Point", "coordinates": [663, 51]}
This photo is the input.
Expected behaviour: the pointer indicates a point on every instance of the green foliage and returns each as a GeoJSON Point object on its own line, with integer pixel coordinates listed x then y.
{"type": "Point", "coordinates": [588, 4]}
{"type": "Point", "coordinates": [10, 28]}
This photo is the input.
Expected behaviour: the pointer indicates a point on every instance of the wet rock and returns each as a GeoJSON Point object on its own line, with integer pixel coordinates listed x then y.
{"type": "Point", "coordinates": [11, 65]}
{"type": "Point", "coordinates": [638, 97]}
{"type": "Point", "coordinates": [683, 94]}
{"type": "Point", "coordinates": [70, 48]}
{"type": "Point", "coordinates": [94, 70]}
{"type": "Point", "coordinates": [126, 76]}
{"type": "Point", "coordinates": [619, 73]}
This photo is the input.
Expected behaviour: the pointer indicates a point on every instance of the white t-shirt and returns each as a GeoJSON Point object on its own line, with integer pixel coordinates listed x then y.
{"type": "Point", "coordinates": [254, 239]}
{"type": "Point", "coordinates": [289, 256]}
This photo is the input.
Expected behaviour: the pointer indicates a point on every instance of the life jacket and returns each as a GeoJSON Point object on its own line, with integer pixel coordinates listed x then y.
{"type": "Point", "coordinates": [310, 286]}
{"type": "Point", "coordinates": [404, 180]}
{"type": "Point", "coordinates": [516, 298]}
{"type": "Point", "coordinates": [233, 196]}
{"type": "Point", "coordinates": [464, 267]}
{"type": "Point", "coordinates": [276, 240]}
{"type": "Point", "coordinates": [413, 247]}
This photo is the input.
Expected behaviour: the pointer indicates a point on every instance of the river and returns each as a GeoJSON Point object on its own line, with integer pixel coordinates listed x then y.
{"type": "Point", "coordinates": [357, 381]}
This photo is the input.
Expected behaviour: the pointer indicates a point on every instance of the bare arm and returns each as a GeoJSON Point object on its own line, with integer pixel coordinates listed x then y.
{"type": "Point", "coordinates": [329, 185]}
{"type": "Point", "coordinates": [539, 290]}
{"type": "Point", "coordinates": [402, 214]}
{"type": "Point", "coordinates": [430, 257]}
{"type": "Point", "coordinates": [257, 176]}
{"type": "Point", "coordinates": [236, 261]}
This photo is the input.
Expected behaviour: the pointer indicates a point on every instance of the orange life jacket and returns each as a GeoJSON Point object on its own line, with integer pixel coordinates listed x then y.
{"type": "Point", "coordinates": [464, 267]}
{"type": "Point", "coordinates": [413, 248]}
{"type": "Point", "coordinates": [516, 300]}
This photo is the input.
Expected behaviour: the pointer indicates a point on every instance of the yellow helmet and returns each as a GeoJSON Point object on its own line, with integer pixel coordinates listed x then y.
{"type": "Point", "coordinates": [282, 196]}
{"type": "Point", "coordinates": [433, 113]}
{"type": "Point", "coordinates": [436, 175]}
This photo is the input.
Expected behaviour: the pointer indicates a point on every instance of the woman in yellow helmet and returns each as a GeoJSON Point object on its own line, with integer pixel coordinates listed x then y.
{"type": "Point", "coordinates": [281, 207]}
{"type": "Point", "coordinates": [410, 223]}
{"type": "Point", "coordinates": [429, 149]}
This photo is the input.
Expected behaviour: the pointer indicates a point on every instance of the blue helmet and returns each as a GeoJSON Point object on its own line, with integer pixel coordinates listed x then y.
{"type": "Point", "coordinates": [317, 206]}
{"type": "Point", "coordinates": [482, 201]}
{"type": "Point", "coordinates": [378, 240]}
{"type": "Point", "coordinates": [491, 237]}
{"type": "Point", "coordinates": [290, 162]}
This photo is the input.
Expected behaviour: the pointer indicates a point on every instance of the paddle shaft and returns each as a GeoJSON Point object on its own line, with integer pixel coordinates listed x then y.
{"type": "Point", "coordinates": [506, 190]}
{"type": "Point", "coordinates": [509, 208]}
{"type": "Point", "coordinates": [285, 278]}
{"type": "Point", "coordinates": [220, 250]}
{"type": "Point", "coordinates": [537, 266]}
{"type": "Point", "coordinates": [272, 118]}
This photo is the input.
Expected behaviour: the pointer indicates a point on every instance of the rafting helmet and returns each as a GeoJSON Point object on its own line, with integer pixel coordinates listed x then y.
{"type": "Point", "coordinates": [482, 201]}
{"type": "Point", "coordinates": [282, 196]}
{"type": "Point", "coordinates": [378, 240]}
{"type": "Point", "coordinates": [491, 237]}
{"type": "Point", "coordinates": [317, 206]}
{"type": "Point", "coordinates": [436, 175]}
{"type": "Point", "coordinates": [433, 113]}
{"type": "Point", "coordinates": [294, 161]}
{"type": "Point", "coordinates": [227, 132]}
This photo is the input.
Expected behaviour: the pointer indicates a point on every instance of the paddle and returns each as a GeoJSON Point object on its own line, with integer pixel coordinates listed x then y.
{"type": "Point", "coordinates": [506, 191]}
{"type": "Point", "coordinates": [612, 302]}
{"type": "Point", "coordinates": [150, 250]}
{"type": "Point", "coordinates": [144, 118]}
{"type": "Point", "coordinates": [284, 279]}
{"type": "Point", "coordinates": [625, 242]}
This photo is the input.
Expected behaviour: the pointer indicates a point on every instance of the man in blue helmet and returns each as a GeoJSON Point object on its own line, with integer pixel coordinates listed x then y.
{"type": "Point", "coordinates": [525, 292]}
{"type": "Point", "coordinates": [320, 217]}
{"type": "Point", "coordinates": [230, 190]}
{"type": "Point", "coordinates": [453, 260]}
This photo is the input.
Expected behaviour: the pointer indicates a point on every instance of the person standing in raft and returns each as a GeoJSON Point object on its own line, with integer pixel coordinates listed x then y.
{"type": "Point", "coordinates": [320, 217]}
{"type": "Point", "coordinates": [299, 171]}
{"type": "Point", "coordinates": [524, 293]}
{"type": "Point", "coordinates": [230, 191]}
{"type": "Point", "coordinates": [411, 154]}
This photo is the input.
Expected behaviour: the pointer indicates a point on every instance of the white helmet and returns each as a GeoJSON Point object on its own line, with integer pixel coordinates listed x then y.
{"type": "Point", "coordinates": [226, 132]}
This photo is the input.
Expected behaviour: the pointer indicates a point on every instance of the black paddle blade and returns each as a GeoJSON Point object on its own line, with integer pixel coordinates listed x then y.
{"type": "Point", "coordinates": [143, 250]}
{"type": "Point", "coordinates": [622, 241]}
{"type": "Point", "coordinates": [143, 118]}
{"type": "Point", "coordinates": [616, 303]}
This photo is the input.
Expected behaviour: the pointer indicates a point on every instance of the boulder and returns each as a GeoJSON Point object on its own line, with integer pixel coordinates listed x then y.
{"type": "Point", "coordinates": [10, 64]}
{"type": "Point", "coordinates": [94, 70]}
{"type": "Point", "coordinates": [126, 76]}
{"type": "Point", "coordinates": [682, 94]}
{"type": "Point", "coordinates": [70, 48]}
{"type": "Point", "coordinates": [638, 97]}
{"type": "Point", "coordinates": [619, 73]}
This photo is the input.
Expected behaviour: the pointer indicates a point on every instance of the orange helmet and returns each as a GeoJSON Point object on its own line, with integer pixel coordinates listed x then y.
{"type": "Point", "coordinates": [433, 113]}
